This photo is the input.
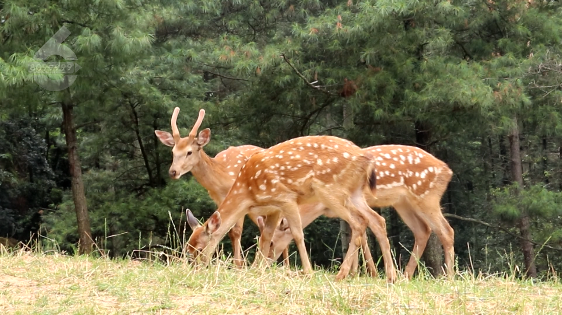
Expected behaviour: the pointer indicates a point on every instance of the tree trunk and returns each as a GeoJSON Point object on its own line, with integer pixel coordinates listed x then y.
{"type": "Point", "coordinates": [395, 234]}
{"type": "Point", "coordinates": [545, 160]}
{"type": "Point", "coordinates": [78, 195]}
{"type": "Point", "coordinates": [524, 221]}
{"type": "Point", "coordinates": [433, 254]}
{"type": "Point", "coordinates": [155, 142]}
{"type": "Point", "coordinates": [144, 154]}
{"type": "Point", "coordinates": [345, 232]}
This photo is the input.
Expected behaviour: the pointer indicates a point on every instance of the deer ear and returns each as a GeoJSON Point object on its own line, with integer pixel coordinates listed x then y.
{"type": "Point", "coordinates": [214, 222]}
{"type": "Point", "coordinates": [284, 224]}
{"type": "Point", "coordinates": [165, 137]}
{"type": "Point", "coordinates": [261, 223]}
{"type": "Point", "coordinates": [204, 137]}
{"type": "Point", "coordinates": [192, 220]}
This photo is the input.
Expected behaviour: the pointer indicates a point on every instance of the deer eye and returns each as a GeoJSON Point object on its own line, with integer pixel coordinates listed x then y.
{"type": "Point", "coordinates": [189, 153]}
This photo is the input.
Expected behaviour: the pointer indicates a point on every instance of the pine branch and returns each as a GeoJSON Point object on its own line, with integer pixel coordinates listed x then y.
{"type": "Point", "coordinates": [497, 227]}
{"type": "Point", "coordinates": [318, 88]}
{"type": "Point", "coordinates": [77, 23]}
{"type": "Point", "coordinates": [225, 77]}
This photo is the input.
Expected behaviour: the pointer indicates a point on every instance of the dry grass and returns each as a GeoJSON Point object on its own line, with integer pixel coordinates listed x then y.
{"type": "Point", "coordinates": [31, 283]}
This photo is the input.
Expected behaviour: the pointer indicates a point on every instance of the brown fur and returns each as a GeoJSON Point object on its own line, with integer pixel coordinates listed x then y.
{"type": "Point", "coordinates": [275, 181]}
{"type": "Point", "coordinates": [417, 205]}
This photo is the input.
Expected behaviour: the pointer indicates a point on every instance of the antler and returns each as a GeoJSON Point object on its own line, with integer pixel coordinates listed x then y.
{"type": "Point", "coordinates": [175, 130]}
{"type": "Point", "coordinates": [193, 132]}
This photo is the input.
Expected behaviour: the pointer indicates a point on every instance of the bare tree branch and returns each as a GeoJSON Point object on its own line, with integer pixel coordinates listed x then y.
{"type": "Point", "coordinates": [458, 217]}
{"type": "Point", "coordinates": [318, 88]}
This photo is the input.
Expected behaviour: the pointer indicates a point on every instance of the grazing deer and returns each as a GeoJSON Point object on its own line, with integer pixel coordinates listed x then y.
{"type": "Point", "coordinates": [408, 179]}
{"type": "Point", "coordinates": [274, 182]}
{"type": "Point", "coordinates": [215, 174]}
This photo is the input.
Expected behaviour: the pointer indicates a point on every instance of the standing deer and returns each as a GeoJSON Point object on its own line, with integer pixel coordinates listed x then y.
{"type": "Point", "coordinates": [215, 174]}
{"type": "Point", "coordinates": [408, 179]}
{"type": "Point", "coordinates": [274, 182]}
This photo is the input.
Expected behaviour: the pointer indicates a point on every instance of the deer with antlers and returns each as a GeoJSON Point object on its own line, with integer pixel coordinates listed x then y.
{"type": "Point", "coordinates": [408, 179]}
{"type": "Point", "coordinates": [215, 174]}
{"type": "Point", "coordinates": [274, 182]}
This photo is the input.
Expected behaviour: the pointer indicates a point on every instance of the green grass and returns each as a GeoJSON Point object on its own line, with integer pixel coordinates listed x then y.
{"type": "Point", "coordinates": [32, 283]}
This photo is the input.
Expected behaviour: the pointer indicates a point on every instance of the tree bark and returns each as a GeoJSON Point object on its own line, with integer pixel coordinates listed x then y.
{"type": "Point", "coordinates": [78, 194]}
{"type": "Point", "coordinates": [155, 143]}
{"type": "Point", "coordinates": [433, 254]}
{"type": "Point", "coordinates": [144, 154]}
{"type": "Point", "coordinates": [395, 233]}
{"type": "Point", "coordinates": [345, 232]}
{"type": "Point", "coordinates": [524, 223]}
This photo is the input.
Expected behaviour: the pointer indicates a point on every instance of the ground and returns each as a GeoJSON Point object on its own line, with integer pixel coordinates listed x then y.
{"type": "Point", "coordinates": [32, 283]}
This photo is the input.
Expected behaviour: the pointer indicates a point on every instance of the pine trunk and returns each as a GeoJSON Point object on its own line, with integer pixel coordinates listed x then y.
{"type": "Point", "coordinates": [78, 193]}
{"type": "Point", "coordinates": [524, 221]}
{"type": "Point", "coordinates": [395, 233]}
{"type": "Point", "coordinates": [433, 254]}
{"type": "Point", "coordinates": [345, 232]}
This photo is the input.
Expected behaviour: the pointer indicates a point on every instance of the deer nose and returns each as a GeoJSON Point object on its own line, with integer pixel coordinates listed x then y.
{"type": "Point", "coordinates": [172, 173]}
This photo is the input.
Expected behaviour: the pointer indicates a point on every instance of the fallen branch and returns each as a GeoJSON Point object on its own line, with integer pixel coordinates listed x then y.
{"type": "Point", "coordinates": [458, 217]}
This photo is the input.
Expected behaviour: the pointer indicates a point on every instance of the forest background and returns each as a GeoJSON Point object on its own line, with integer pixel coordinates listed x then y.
{"type": "Point", "coordinates": [476, 83]}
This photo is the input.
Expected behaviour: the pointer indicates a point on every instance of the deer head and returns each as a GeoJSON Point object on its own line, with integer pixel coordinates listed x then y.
{"type": "Point", "coordinates": [186, 151]}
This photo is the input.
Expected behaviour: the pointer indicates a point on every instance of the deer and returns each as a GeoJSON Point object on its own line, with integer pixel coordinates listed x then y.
{"type": "Point", "coordinates": [216, 174]}
{"type": "Point", "coordinates": [306, 170]}
{"type": "Point", "coordinates": [409, 179]}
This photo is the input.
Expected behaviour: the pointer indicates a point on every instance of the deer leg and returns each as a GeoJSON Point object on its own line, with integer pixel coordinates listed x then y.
{"type": "Point", "coordinates": [434, 218]}
{"type": "Point", "coordinates": [264, 245]}
{"type": "Point", "coordinates": [447, 236]}
{"type": "Point", "coordinates": [377, 224]}
{"type": "Point", "coordinates": [286, 257]}
{"type": "Point", "coordinates": [356, 220]}
{"type": "Point", "coordinates": [421, 235]}
{"type": "Point", "coordinates": [371, 268]}
{"type": "Point", "coordinates": [291, 213]}
{"type": "Point", "coordinates": [235, 235]}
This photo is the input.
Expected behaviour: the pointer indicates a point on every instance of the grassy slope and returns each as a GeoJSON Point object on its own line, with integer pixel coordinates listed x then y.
{"type": "Point", "coordinates": [37, 284]}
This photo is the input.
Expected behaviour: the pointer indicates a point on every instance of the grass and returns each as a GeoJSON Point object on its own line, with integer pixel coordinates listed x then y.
{"type": "Point", "coordinates": [34, 283]}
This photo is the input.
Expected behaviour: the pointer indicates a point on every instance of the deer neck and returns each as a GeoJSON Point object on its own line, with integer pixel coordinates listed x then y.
{"type": "Point", "coordinates": [211, 175]}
